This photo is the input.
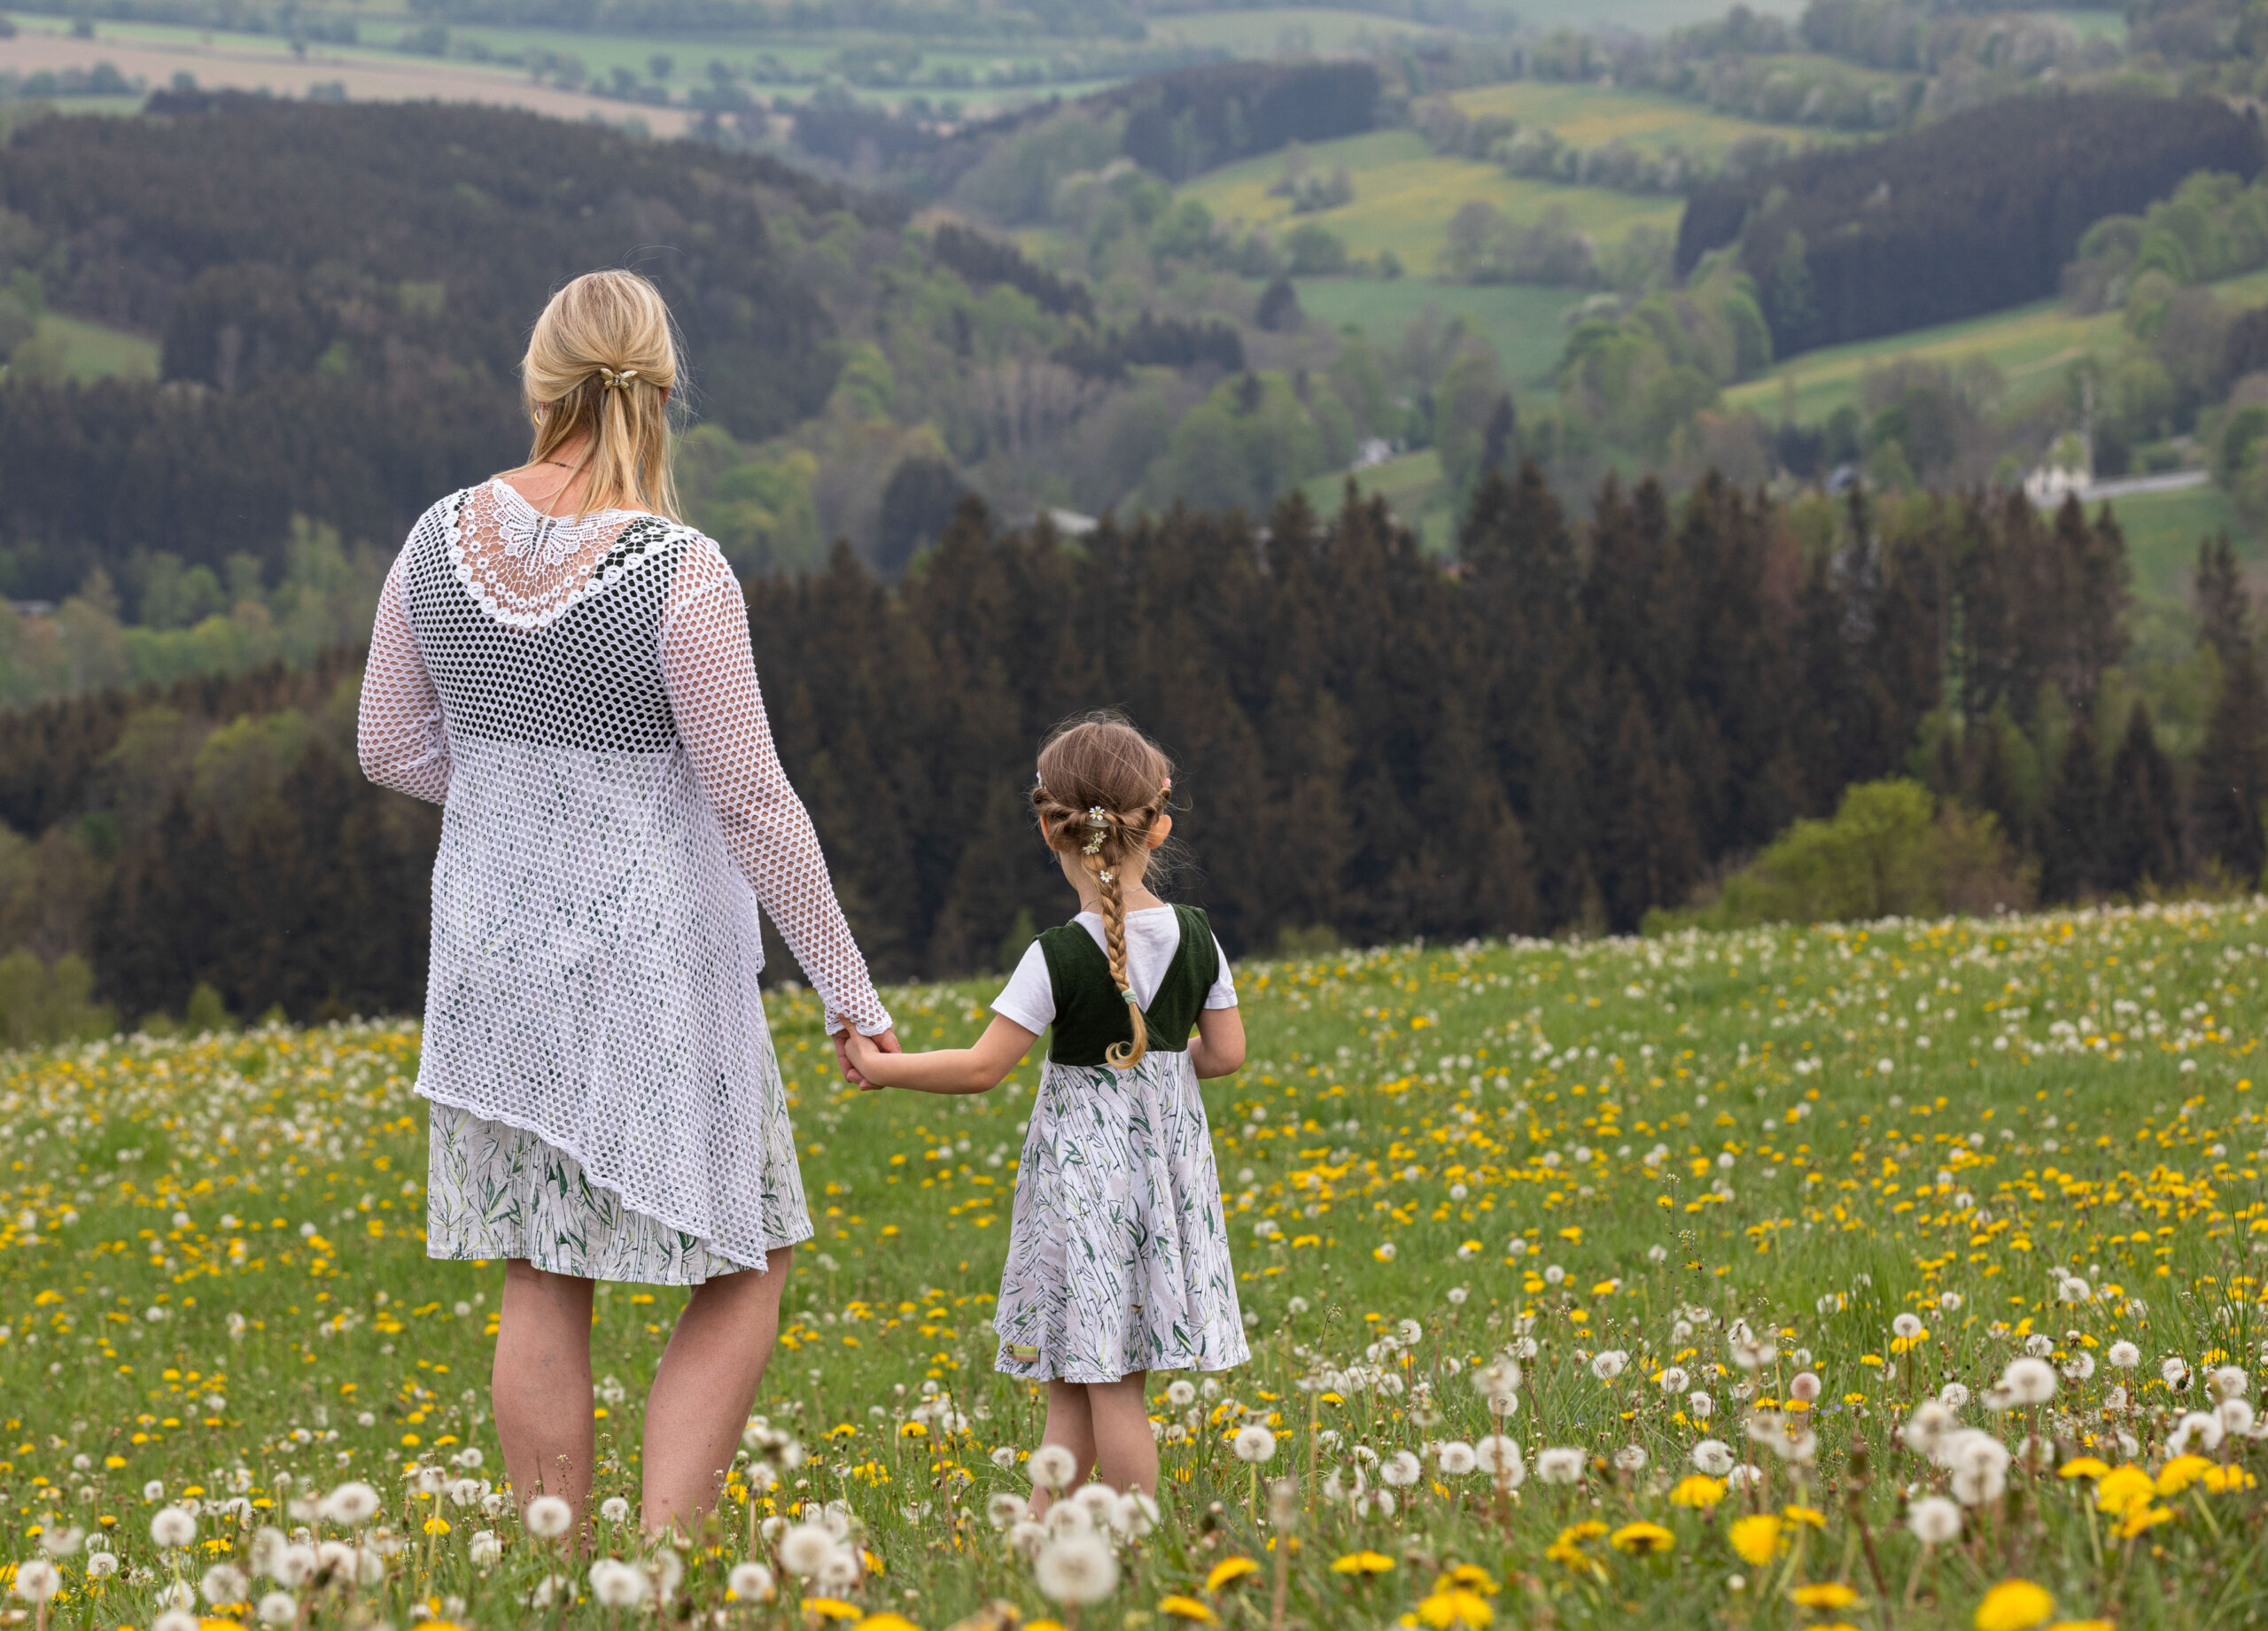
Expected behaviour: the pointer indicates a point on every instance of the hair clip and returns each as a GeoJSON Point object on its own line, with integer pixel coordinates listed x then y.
{"type": "Point", "coordinates": [612, 381]}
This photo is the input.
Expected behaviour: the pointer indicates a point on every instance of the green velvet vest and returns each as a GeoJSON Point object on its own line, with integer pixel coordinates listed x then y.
{"type": "Point", "coordinates": [1090, 1009]}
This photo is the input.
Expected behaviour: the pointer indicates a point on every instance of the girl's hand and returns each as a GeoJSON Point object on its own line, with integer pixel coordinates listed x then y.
{"type": "Point", "coordinates": [947, 1070]}
{"type": "Point", "coordinates": [885, 1042]}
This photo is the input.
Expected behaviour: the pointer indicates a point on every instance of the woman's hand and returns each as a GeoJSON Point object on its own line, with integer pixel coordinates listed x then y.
{"type": "Point", "coordinates": [885, 1042]}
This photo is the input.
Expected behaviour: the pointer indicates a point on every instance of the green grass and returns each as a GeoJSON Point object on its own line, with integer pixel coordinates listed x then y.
{"type": "Point", "coordinates": [95, 351]}
{"type": "Point", "coordinates": [2030, 345]}
{"type": "Point", "coordinates": [1412, 486]}
{"type": "Point", "coordinates": [213, 1279]}
{"type": "Point", "coordinates": [1526, 325]}
{"type": "Point", "coordinates": [2164, 529]}
{"type": "Point", "coordinates": [1640, 16]}
{"type": "Point", "coordinates": [1296, 30]}
{"type": "Point", "coordinates": [1405, 194]}
{"type": "Point", "coordinates": [1588, 116]}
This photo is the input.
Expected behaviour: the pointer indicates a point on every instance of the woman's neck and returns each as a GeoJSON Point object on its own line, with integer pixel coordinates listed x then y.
{"type": "Point", "coordinates": [553, 484]}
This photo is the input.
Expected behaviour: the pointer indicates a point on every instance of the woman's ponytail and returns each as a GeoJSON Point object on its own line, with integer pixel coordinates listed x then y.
{"type": "Point", "coordinates": [601, 365]}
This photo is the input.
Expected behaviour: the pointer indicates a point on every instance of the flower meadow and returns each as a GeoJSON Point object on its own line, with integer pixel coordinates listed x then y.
{"type": "Point", "coordinates": [1909, 1273]}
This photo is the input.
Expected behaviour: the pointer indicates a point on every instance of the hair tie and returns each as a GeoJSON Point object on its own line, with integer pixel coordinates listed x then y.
{"type": "Point", "coordinates": [611, 380]}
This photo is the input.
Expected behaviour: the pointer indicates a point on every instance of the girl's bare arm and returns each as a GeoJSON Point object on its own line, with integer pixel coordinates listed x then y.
{"type": "Point", "coordinates": [1217, 1049]}
{"type": "Point", "coordinates": [950, 1070]}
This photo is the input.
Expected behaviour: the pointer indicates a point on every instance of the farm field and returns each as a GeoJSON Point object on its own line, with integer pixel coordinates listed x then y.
{"type": "Point", "coordinates": [2164, 530]}
{"type": "Point", "coordinates": [1527, 326]}
{"type": "Point", "coordinates": [1764, 1250]}
{"type": "Point", "coordinates": [1590, 117]}
{"type": "Point", "coordinates": [371, 71]}
{"type": "Point", "coordinates": [96, 351]}
{"type": "Point", "coordinates": [1405, 194]}
{"type": "Point", "coordinates": [2030, 344]}
{"type": "Point", "coordinates": [1292, 30]}
{"type": "Point", "coordinates": [1639, 16]}
{"type": "Point", "coordinates": [154, 53]}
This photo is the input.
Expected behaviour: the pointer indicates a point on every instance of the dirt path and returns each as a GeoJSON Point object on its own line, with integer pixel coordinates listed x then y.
{"type": "Point", "coordinates": [223, 67]}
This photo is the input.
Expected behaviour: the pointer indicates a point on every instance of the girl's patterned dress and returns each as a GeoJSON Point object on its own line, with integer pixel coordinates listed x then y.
{"type": "Point", "coordinates": [1118, 1256]}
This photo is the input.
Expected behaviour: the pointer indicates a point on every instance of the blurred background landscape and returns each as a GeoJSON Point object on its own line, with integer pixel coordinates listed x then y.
{"type": "Point", "coordinates": [1893, 362]}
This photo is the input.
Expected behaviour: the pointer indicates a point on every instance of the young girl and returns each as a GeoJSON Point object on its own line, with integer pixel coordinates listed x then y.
{"type": "Point", "coordinates": [1118, 1257]}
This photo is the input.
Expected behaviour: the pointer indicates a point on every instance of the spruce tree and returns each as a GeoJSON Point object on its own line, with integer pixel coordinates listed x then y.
{"type": "Point", "coordinates": [2142, 821]}
{"type": "Point", "coordinates": [2072, 837]}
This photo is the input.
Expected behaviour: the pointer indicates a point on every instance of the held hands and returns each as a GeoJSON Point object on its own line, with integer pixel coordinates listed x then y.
{"type": "Point", "coordinates": [851, 1048]}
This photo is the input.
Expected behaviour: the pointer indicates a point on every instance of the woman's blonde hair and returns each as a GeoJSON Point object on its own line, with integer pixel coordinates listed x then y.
{"type": "Point", "coordinates": [602, 361]}
{"type": "Point", "coordinates": [1102, 787]}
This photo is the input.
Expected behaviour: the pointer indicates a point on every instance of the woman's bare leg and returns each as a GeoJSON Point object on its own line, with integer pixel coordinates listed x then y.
{"type": "Point", "coordinates": [703, 1387]}
{"type": "Point", "coordinates": [541, 1385]}
{"type": "Point", "coordinates": [1126, 1451]}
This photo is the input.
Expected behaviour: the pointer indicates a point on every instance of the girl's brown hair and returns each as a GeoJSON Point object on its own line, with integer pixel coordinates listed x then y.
{"type": "Point", "coordinates": [1102, 787]}
{"type": "Point", "coordinates": [602, 361]}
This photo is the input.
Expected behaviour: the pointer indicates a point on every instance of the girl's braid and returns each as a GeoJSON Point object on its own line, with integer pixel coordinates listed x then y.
{"type": "Point", "coordinates": [1122, 781]}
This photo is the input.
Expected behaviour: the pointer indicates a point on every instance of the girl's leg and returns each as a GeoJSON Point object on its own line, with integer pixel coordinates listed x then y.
{"type": "Point", "coordinates": [1126, 1452]}
{"type": "Point", "coordinates": [703, 1387]}
{"type": "Point", "coordinates": [1070, 1424]}
{"type": "Point", "coordinates": [541, 1385]}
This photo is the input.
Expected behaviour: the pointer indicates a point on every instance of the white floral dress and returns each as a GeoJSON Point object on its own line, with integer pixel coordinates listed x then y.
{"type": "Point", "coordinates": [1118, 1254]}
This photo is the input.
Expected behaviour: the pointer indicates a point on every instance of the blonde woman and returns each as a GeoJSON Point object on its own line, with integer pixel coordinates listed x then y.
{"type": "Point", "coordinates": [564, 666]}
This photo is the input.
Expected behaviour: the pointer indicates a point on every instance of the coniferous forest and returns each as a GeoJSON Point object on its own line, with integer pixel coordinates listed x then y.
{"type": "Point", "coordinates": [1580, 720]}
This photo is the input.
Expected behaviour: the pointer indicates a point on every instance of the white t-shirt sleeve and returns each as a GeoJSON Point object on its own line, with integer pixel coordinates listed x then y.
{"type": "Point", "coordinates": [1028, 998]}
{"type": "Point", "coordinates": [1224, 994]}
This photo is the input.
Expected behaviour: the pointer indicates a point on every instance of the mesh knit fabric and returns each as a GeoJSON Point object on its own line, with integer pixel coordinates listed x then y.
{"type": "Point", "coordinates": [580, 698]}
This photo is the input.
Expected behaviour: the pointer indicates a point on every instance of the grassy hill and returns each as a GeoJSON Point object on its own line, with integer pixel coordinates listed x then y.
{"type": "Point", "coordinates": [2040, 1130]}
{"type": "Point", "coordinates": [2030, 344]}
{"type": "Point", "coordinates": [1590, 115]}
{"type": "Point", "coordinates": [1405, 194]}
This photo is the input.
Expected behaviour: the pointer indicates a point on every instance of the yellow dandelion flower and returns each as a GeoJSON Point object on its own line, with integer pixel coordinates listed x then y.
{"type": "Point", "coordinates": [1756, 1539]}
{"type": "Point", "coordinates": [2139, 1519]}
{"type": "Point", "coordinates": [1456, 1608]}
{"type": "Point", "coordinates": [1228, 1571]}
{"type": "Point", "coordinates": [2013, 1605]}
{"type": "Point", "coordinates": [1642, 1539]}
{"type": "Point", "coordinates": [1810, 1515]}
{"type": "Point", "coordinates": [886, 1621]}
{"type": "Point", "coordinates": [1189, 1608]}
{"type": "Point", "coordinates": [1698, 1490]}
{"type": "Point", "coordinates": [2220, 1480]}
{"type": "Point", "coordinates": [1358, 1563]}
{"type": "Point", "coordinates": [830, 1608]}
{"type": "Point", "coordinates": [2123, 1487]}
{"type": "Point", "coordinates": [1590, 1529]}
{"type": "Point", "coordinates": [1824, 1593]}
{"type": "Point", "coordinates": [2183, 1470]}
{"type": "Point", "coordinates": [2083, 1466]}
{"type": "Point", "coordinates": [1472, 1577]}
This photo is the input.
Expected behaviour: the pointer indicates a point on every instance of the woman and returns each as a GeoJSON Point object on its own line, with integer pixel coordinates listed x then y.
{"type": "Point", "coordinates": [564, 666]}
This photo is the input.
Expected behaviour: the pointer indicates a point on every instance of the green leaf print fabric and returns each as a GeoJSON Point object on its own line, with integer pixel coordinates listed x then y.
{"type": "Point", "coordinates": [496, 1191]}
{"type": "Point", "coordinates": [1118, 1255]}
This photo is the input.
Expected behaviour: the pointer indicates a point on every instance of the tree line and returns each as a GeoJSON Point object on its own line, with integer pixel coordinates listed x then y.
{"type": "Point", "coordinates": [1572, 724]}
{"type": "Point", "coordinates": [1975, 212]}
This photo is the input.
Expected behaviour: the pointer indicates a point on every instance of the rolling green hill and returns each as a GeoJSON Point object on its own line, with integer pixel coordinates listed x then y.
{"type": "Point", "coordinates": [1588, 115]}
{"type": "Point", "coordinates": [2030, 345]}
{"type": "Point", "coordinates": [1405, 194]}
